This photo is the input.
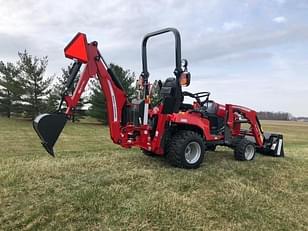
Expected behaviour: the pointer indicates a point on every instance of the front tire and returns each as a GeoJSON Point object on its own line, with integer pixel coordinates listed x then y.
{"type": "Point", "coordinates": [245, 150]}
{"type": "Point", "coordinates": [186, 149]}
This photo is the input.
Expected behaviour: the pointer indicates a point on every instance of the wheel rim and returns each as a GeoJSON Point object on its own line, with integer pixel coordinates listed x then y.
{"type": "Point", "coordinates": [192, 152]}
{"type": "Point", "coordinates": [249, 152]}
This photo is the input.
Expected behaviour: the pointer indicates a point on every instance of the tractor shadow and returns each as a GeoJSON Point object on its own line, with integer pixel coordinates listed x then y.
{"type": "Point", "coordinates": [221, 155]}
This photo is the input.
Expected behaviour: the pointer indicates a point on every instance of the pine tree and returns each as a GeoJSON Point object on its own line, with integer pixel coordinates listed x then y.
{"type": "Point", "coordinates": [35, 85]}
{"type": "Point", "coordinates": [58, 89]}
{"type": "Point", "coordinates": [126, 77]}
{"type": "Point", "coordinates": [10, 89]}
{"type": "Point", "coordinates": [52, 103]}
{"type": "Point", "coordinates": [97, 99]}
{"type": "Point", "coordinates": [98, 108]}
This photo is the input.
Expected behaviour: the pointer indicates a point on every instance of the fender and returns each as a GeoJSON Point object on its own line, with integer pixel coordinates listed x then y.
{"type": "Point", "coordinates": [193, 119]}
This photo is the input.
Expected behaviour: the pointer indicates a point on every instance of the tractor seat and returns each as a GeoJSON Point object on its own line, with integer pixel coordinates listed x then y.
{"type": "Point", "coordinates": [209, 107]}
{"type": "Point", "coordinates": [172, 96]}
{"type": "Point", "coordinates": [209, 111]}
{"type": "Point", "coordinates": [186, 107]}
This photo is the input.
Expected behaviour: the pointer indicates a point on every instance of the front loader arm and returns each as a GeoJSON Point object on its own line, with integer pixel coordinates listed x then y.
{"type": "Point", "coordinates": [250, 116]}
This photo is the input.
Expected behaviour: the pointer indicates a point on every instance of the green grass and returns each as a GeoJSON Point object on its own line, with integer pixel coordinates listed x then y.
{"type": "Point", "coordinates": [93, 184]}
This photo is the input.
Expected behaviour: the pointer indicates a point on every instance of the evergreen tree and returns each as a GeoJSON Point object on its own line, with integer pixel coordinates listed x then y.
{"type": "Point", "coordinates": [58, 89]}
{"type": "Point", "coordinates": [79, 111]}
{"type": "Point", "coordinates": [97, 99]}
{"type": "Point", "coordinates": [126, 77]}
{"type": "Point", "coordinates": [98, 108]}
{"type": "Point", "coordinates": [35, 85]}
{"type": "Point", "coordinates": [61, 81]}
{"type": "Point", "coordinates": [53, 101]}
{"type": "Point", "coordinates": [10, 89]}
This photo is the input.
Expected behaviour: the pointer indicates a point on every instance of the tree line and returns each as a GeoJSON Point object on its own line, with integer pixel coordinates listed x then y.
{"type": "Point", "coordinates": [266, 115]}
{"type": "Point", "coordinates": [26, 90]}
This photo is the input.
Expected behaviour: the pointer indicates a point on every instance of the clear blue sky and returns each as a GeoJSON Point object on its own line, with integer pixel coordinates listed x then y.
{"type": "Point", "coordinates": [253, 53]}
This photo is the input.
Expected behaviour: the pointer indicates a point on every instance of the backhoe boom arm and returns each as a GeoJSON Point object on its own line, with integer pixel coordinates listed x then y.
{"type": "Point", "coordinates": [113, 91]}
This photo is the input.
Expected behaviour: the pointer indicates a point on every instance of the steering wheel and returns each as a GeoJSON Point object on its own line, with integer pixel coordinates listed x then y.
{"type": "Point", "coordinates": [198, 96]}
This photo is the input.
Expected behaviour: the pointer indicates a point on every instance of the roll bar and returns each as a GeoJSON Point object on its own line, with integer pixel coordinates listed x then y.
{"type": "Point", "coordinates": [177, 38]}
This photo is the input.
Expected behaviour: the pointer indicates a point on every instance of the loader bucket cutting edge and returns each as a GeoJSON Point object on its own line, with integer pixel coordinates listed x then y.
{"type": "Point", "coordinates": [48, 127]}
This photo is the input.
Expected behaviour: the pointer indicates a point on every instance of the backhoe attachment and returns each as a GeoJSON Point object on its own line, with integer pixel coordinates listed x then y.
{"type": "Point", "coordinates": [50, 125]}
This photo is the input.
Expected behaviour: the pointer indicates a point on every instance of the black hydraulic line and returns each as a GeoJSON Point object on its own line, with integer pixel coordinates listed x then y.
{"type": "Point", "coordinates": [70, 81]}
{"type": "Point", "coordinates": [73, 73]}
{"type": "Point", "coordinates": [113, 76]}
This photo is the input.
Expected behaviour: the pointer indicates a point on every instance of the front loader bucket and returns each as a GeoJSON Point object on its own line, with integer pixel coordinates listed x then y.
{"type": "Point", "coordinates": [273, 145]}
{"type": "Point", "coordinates": [49, 127]}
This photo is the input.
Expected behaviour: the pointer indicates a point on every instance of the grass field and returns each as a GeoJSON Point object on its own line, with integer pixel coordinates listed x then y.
{"type": "Point", "coordinates": [93, 184]}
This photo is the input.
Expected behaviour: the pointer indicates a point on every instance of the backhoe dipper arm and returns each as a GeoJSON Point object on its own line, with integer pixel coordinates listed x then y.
{"type": "Point", "coordinates": [95, 66]}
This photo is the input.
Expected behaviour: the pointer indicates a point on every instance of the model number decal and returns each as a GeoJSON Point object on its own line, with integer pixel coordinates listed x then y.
{"type": "Point", "coordinates": [184, 120]}
{"type": "Point", "coordinates": [114, 102]}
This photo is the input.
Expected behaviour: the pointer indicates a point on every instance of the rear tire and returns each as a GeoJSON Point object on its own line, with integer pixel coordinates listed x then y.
{"type": "Point", "coordinates": [186, 149]}
{"type": "Point", "coordinates": [245, 150]}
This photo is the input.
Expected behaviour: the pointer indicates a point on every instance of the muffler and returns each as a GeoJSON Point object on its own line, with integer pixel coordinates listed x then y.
{"type": "Point", "coordinates": [48, 127]}
{"type": "Point", "coordinates": [273, 145]}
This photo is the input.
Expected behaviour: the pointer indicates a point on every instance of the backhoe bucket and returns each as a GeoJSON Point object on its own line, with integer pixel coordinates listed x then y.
{"type": "Point", "coordinates": [49, 127]}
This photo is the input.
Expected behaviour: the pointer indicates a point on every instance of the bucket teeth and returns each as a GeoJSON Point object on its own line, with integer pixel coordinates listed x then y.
{"type": "Point", "coordinates": [48, 127]}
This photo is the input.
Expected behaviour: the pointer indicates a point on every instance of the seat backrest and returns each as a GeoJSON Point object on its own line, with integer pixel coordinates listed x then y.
{"type": "Point", "coordinates": [210, 107]}
{"type": "Point", "coordinates": [171, 93]}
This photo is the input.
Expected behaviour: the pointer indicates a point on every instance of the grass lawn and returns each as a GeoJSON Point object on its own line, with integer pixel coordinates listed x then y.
{"type": "Point", "coordinates": [93, 184]}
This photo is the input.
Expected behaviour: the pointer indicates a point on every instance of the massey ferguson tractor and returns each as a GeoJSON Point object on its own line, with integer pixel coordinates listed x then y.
{"type": "Point", "coordinates": [179, 131]}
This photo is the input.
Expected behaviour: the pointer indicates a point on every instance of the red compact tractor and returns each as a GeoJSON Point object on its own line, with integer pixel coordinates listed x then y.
{"type": "Point", "coordinates": [181, 132]}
